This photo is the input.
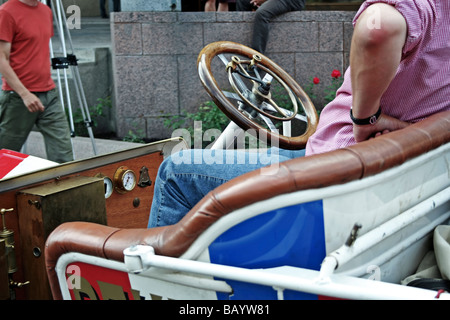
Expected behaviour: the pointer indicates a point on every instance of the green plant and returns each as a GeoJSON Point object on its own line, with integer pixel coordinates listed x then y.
{"type": "Point", "coordinates": [336, 82]}
{"type": "Point", "coordinates": [279, 94]}
{"type": "Point", "coordinates": [309, 88]}
{"type": "Point", "coordinates": [136, 137]}
{"type": "Point", "coordinates": [95, 112]}
{"type": "Point", "coordinates": [330, 91]}
{"type": "Point", "coordinates": [208, 114]}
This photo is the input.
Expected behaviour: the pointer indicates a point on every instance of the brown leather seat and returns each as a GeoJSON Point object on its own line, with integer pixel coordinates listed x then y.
{"type": "Point", "coordinates": [336, 167]}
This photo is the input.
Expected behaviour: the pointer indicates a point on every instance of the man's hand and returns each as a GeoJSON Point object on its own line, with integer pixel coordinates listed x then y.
{"type": "Point", "coordinates": [385, 124]}
{"type": "Point", "coordinates": [32, 102]}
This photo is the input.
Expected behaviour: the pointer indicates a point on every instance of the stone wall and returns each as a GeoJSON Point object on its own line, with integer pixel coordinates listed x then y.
{"type": "Point", "coordinates": [155, 53]}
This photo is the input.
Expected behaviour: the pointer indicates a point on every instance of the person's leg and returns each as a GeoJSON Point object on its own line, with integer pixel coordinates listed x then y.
{"type": "Point", "coordinates": [54, 127]}
{"type": "Point", "coordinates": [185, 178]}
{"type": "Point", "coordinates": [261, 25]}
{"type": "Point", "coordinates": [16, 121]}
{"type": "Point", "coordinates": [103, 13]}
{"type": "Point", "coordinates": [210, 5]}
{"type": "Point", "coordinates": [116, 5]}
{"type": "Point", "coordinates": [265, 13]}
{"type": "Point", "coordinates": [223, 5]}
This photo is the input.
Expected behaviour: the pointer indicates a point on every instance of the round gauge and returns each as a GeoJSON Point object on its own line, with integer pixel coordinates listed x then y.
{"type": "Point", "coordinates": [124, 180]}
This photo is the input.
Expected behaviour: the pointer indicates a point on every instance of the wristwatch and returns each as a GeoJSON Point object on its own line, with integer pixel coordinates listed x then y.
{"type": "Point", "coordinates": [370, 120]}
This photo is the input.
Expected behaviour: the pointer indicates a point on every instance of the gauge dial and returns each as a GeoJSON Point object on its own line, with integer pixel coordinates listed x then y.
{"type": "Point", "coordinates": [124, 180]}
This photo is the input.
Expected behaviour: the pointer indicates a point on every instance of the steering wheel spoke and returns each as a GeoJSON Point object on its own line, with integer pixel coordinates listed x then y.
{"type": "Point", "coordinates": [231, 95]}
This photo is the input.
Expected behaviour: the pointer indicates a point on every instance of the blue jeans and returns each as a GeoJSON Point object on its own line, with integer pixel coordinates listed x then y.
{"type": "Point", "coordinates": [185, 178]}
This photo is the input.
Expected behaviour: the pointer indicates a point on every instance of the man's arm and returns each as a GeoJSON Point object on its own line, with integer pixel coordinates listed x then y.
{"type": "Point", "coordinates": [378, 39]}
{"type": "Point", "coordinates": [30, 100]}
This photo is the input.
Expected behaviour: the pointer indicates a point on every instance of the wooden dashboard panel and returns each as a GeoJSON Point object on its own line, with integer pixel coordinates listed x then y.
{"type": "Point", "coordinates": [130, 209]}
{"type": "Point", "coordinates": [124, 210]}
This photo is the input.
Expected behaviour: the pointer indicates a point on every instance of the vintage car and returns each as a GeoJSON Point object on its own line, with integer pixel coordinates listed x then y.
{"type": "Point", "coordinates": [353, 223]}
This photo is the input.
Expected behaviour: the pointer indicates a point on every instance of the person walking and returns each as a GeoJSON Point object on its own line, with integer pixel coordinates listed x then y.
{"type": "Point", "coordinates": [28, 96]}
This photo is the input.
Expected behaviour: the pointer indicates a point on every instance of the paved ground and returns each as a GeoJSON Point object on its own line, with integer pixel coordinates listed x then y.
{"type": "Point", "coordinates": [82, 147]}
{"type": "Point", "coordinates": [94, 32]}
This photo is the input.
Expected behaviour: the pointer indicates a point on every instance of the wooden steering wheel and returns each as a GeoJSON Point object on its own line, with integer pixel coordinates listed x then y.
{"type": "Point", "coordinates": [268, 105]}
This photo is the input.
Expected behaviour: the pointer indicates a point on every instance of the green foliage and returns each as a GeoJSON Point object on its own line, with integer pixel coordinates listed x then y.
{"type": "Point", "coordinates": [95, 112]}
{"type": "Point", "coordinates": [309, 89]}
{"type": "Point", "coordinates": [281, 97]}
{"type": "Point", "coordinates": [208, 114]}
{"type": "Point", "coordinates": [132, 136]}
{"type": "Point", "coordinates": [330, 91]}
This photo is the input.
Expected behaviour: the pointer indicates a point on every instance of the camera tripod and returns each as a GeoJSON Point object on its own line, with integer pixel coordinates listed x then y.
{"type": "Point", "coordinates": [68, 62]}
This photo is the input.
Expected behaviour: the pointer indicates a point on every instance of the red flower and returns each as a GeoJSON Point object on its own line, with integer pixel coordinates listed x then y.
{"type": "Point", "coordinates": [336, 73]}
{"type": "Point", "coordinates": [316, 80]}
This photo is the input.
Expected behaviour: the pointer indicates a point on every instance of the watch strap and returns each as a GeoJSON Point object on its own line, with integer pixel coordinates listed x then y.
{"type": "Point", "coordinates": [370, 120]}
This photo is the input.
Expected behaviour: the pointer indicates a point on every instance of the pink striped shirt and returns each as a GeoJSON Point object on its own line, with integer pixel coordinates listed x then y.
{"type": "Point", "coordinates": [421, 86]}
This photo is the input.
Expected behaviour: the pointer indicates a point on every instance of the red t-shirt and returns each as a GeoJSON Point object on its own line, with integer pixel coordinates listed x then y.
{"type": "Point", "coordinates": [29, 30]}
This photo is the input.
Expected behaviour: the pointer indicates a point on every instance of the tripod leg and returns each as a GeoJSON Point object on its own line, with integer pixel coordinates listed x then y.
{"type": "Point", "coordinates": [61, 98]}
{"type": "Point", "coordinates": [83, 105]}
{"type": "Point", "coordinates": [59, 85]}
{"type": "Point", "coordinates": [75, 73]}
